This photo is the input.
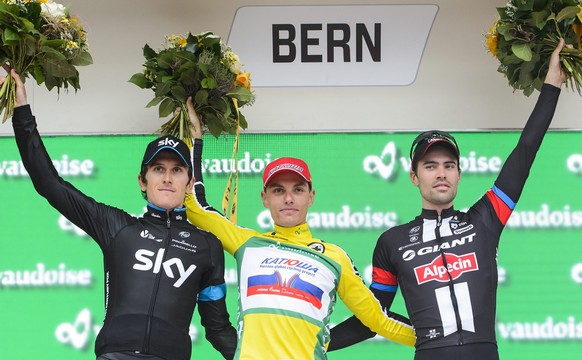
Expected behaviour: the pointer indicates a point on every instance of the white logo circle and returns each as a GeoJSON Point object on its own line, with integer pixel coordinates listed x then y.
{"type": "Point", "coordinates": [408, 255]}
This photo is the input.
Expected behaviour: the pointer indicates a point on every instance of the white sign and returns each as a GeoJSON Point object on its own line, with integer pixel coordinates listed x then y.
{"type": "Point", "coordinates": [348, 45]}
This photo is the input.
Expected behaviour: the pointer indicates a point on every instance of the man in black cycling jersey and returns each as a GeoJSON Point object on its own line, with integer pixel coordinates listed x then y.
{"type": "Point", "coordinates": [445, 260]}
{"type": "Point", "coordinates": [157, 267]}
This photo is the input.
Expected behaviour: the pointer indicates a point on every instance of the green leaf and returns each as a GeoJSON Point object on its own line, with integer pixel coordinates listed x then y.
{"type": "Point", "coordinates": [148, 52]}
{"type": "Point", "coordinates": [243, 121]}
{"type": "Point", "coordinates": [10, 37]}
{"type": "Point", "coordinates": [166, 60]}
{"type": "Point", "coordinates": [164, 88]}
{"type": "Point", "coordinates": [201, 97]}
{"type": "Point", "coordinates": [539, 19]}
{"type": "Point", "coordinates": [179, 93]}
{"type": "Point", "coordinates": [188, 77]}
{"type": "Point", "coordinates": [155, 101]}
{"type": "Point", "coordinates": [167, 107]}
{"type": "Point", "coordinates": [242, 94]}
{"type": "Point", "coordinates": [140, 80]}
{"type": "Point", "coordinates": [567, 13]}
{"type": "Point", "coordinates": [209, 83]}
{"type": "Point", "coordinates": [213, 124]}
{"type": "Point", "coordinates": [83, 58]}
{"type": "Point", "coordinates": [522, 51]}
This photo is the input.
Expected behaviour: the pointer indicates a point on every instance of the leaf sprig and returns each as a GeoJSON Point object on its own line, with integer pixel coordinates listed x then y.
{"type": "Point", "coordinates": [526, 33]}
{"type": "Point", "coordinates": [39, 38]}
{"type": "Point", "coordinates": [203, 67]}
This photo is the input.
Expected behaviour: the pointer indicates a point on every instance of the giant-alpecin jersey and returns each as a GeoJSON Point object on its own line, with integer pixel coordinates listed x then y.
{"type": "Point", "coordinates": [446, 266]}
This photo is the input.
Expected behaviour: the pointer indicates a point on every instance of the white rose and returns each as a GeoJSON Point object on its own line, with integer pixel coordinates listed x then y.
{"type": "Point", "coordinates": [236, 67]}
{"type": "Point", "coordinates": [53, 9]}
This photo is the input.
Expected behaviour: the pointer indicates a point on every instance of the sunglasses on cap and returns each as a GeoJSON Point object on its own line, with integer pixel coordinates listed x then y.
{"type": "Point", "coordinates": [432, 134]}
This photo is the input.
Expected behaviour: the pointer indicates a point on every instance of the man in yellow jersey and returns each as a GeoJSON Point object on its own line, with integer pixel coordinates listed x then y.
{"type": "Point", "coordinates": [288, 280]}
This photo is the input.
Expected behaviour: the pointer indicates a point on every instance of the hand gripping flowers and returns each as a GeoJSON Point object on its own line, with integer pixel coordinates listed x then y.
{"type": "Point", "coordinates": [39, 38]}
{"type": "Point", "coordinates": [203, 67]}
{"type": "Point", "coordinates": [525, 35]}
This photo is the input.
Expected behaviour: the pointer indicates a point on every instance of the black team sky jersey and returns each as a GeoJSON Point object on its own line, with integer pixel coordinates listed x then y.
{"type": "Point", "coordinates": [156, 267]}
{"type": "Point", "coordinates": [446, 266]}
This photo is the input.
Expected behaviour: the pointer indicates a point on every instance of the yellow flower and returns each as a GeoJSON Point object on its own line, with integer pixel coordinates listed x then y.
{"type": "Point", "coordinates": [244, 79]}
{"type": "Point", "coordinates": [71, 45]}
{"type": "Point", "coordinates": [181, 42]}
{"type": "Point", "coordinates": [492, 39]}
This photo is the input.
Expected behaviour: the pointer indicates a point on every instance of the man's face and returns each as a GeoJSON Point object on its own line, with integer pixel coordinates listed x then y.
{"type": "Point", "coordinates": [166, 181]}
{"type": "Point", "coordinates": [288, 198]}
{"type": "Point", "coordinates": [437, 177]}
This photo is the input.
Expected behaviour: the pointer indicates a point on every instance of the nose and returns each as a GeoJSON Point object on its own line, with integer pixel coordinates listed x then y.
{"type": "Point", "coordinates": [288, 198]}
{"type": "Point", "coordinates": [441, 173]}
{"type": "Point", "coordinates": [167, 177]}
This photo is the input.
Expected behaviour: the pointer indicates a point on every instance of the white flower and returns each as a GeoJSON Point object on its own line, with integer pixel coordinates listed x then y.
{"type": "Point", "coordinates": [53, 9]}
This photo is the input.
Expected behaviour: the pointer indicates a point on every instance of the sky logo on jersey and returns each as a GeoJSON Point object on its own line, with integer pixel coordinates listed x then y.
{"type": "Point", "coordinates": [145, 263]}
{"type": "Point", "coordinates": [294, 287]}
{"type": "Point", "coordinates": [456, 266]}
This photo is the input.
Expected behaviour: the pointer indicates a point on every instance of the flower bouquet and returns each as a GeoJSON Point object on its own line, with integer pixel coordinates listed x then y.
{"type": "Point", "coordinates": [203, 67]}
{"type": "Point", "coordinates": [526, 33]}
{"type": "Point", "coordinates": [41, 39]}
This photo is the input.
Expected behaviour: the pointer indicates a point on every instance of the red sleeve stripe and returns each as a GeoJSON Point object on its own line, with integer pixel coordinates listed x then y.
{"type": "Point", "coordinates": [502, 210]}
{"type": "Point", "coordinates": [383, 277]}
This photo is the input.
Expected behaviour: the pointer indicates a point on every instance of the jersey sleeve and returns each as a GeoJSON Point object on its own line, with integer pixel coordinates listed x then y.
{"type": "Point", "coordinates": [360, 300]}
{"type": "Point", "coordinates": [384, 277]}
{"type": "Point", "coordinates": [204, 216]}
{"type": "Point", "coordinates": [514, 173]}
{"type": "Point", "coordinates": [99, 221]}
{"type": "Point", "coordinates": [214, 316]}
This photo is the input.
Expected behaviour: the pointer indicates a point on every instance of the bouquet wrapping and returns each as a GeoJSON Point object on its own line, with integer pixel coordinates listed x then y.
{"type": "Point", "coordinates": [526, 33]}
{"type": "Point", "coordinates": [40, 38]}
{"type": "Point", "coordinates": [204, 68]}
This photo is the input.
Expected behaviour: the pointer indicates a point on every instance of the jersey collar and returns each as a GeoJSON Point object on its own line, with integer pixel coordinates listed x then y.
{"type": "Point", "coordinates": [432, 214]}
{"type": "Point", "coordinates": [300, 231]}
{"type": "Point", "coordinates": [178, 214]}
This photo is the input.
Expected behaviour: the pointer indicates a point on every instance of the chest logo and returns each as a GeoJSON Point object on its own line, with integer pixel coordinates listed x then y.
{"type": "Point", "coordinates": [436, 270]}
{"type": "Point", "coordinates": [317, 246]}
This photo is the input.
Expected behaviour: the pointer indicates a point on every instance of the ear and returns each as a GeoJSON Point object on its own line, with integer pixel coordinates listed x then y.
{"type": "Point", "coordinates": [264, 198]}
{"type": "Point", "coordinates": [142, 184]}
{"type": "Point", "coordinates": [190, 185]}
{"type": "Point", "coordinates": [311, 197]}
{"type": "Point", "coordinates": [414, 178]}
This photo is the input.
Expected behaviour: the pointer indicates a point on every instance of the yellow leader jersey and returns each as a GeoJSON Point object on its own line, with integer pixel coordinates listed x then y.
{"type": "Point", "coordinates": [288, 283]}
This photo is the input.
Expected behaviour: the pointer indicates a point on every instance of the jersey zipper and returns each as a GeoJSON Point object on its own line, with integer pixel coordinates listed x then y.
{"type": "Point", "coordinates": [146, 342]}
{"type": "Point", "coordinates": [451, 284]}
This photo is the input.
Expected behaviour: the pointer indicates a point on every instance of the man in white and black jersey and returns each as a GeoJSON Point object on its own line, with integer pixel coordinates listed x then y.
{"type": "Point", "coordinates": [148, 311]}
{"type": "Point", "coordinates": [445, 260]}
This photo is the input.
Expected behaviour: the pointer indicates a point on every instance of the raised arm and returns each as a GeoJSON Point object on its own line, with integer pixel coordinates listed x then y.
{"type": "Point", "coordinates": [199, 212]}
{"type": "Point", "coordinates": [515, 171]}
{"type": "Point", "coordinates": [80, 209]}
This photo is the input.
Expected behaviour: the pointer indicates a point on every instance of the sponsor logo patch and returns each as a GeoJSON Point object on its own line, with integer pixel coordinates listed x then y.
{"type": "Point", "coordinates": [436, 270]}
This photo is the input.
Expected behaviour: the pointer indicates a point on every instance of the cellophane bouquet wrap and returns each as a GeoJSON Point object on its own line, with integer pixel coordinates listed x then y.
{"type": "Point", "coordinates": [39, 38]}
{"type": "Point", "coordinates": [525, 35]}
{"type": "Point", "coordinates": [205, 68]}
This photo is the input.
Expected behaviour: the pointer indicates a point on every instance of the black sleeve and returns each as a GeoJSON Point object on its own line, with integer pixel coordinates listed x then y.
{"type": "Point", "coordinates": [214, 318]}
{"type": "Point", "coordinates": [515, 171]}
{"type": "Point", "coordinates": [212, 305]}
{"type": "Point", "coordinates": [99, 221]}
{"type": "Point", "coordinates": [199, 188]}
{"type": "Point", "coordinates": [351, 331]}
